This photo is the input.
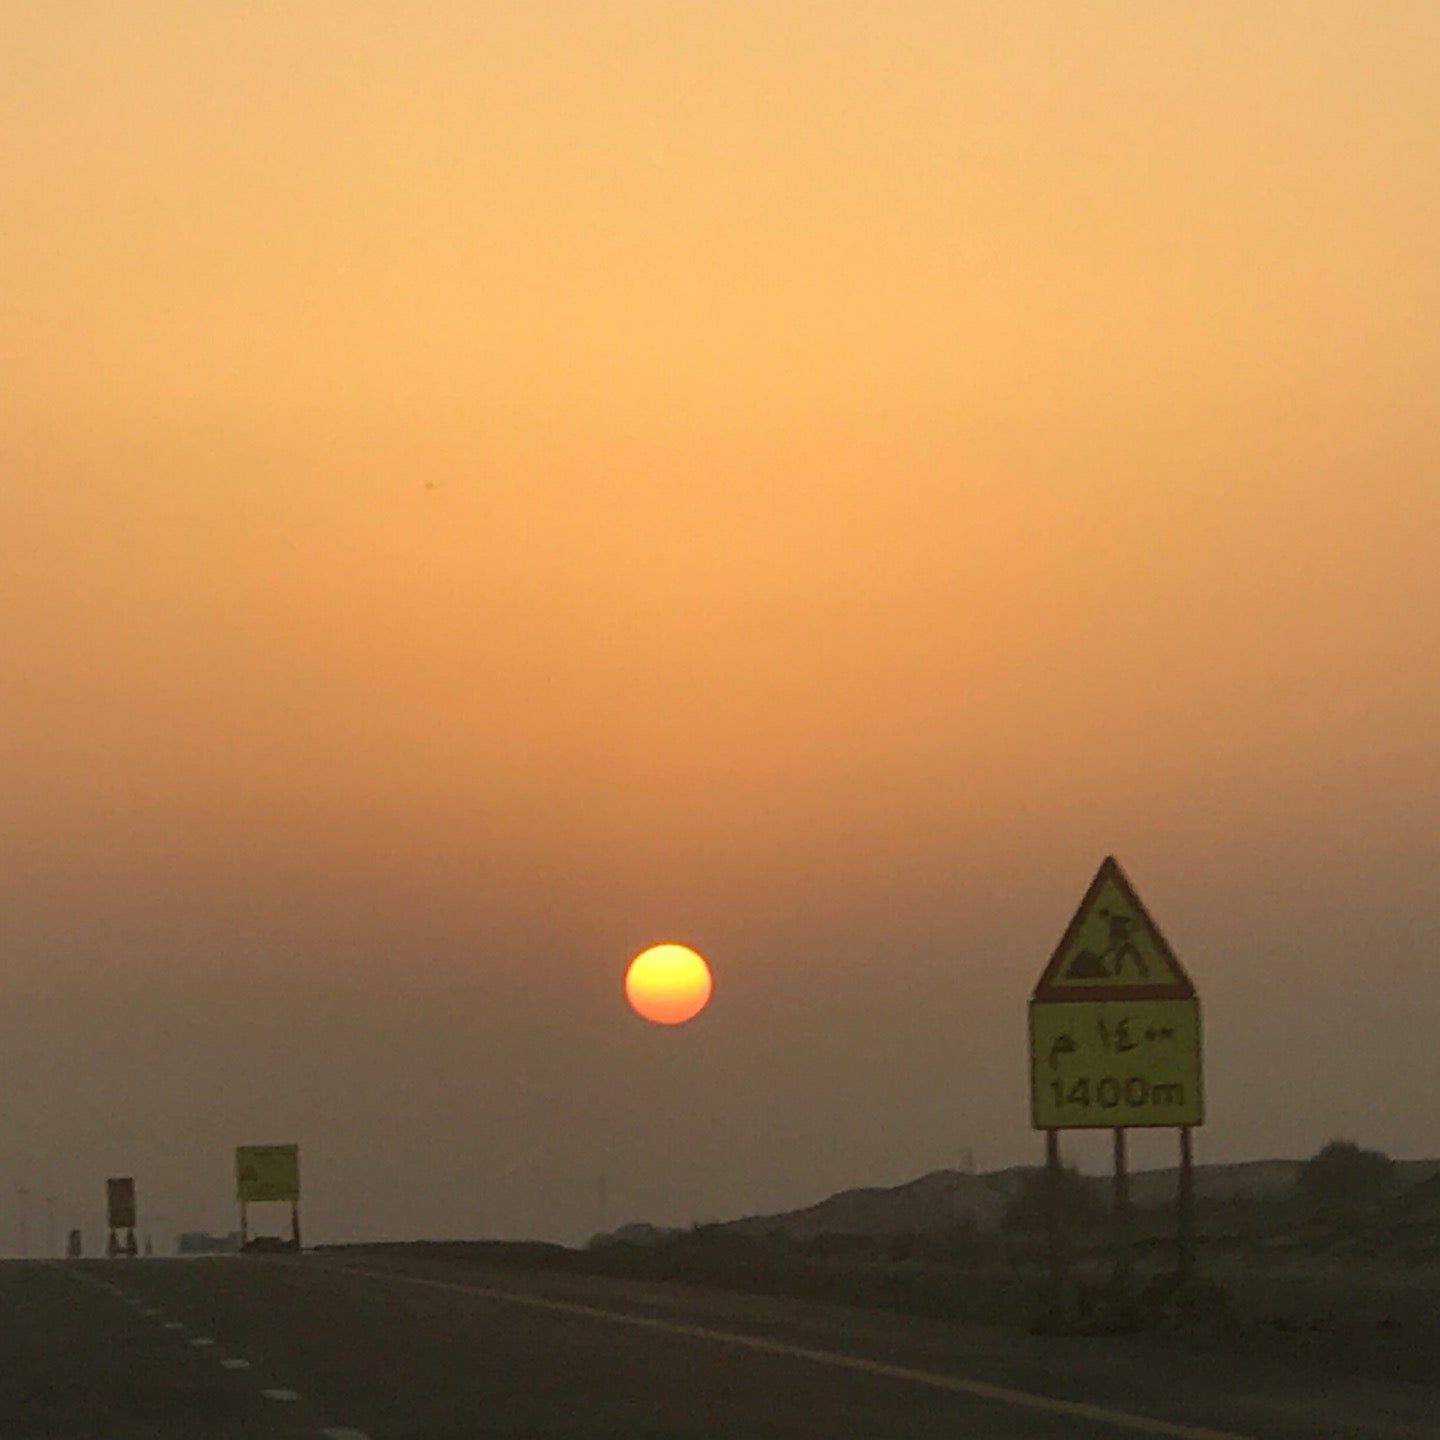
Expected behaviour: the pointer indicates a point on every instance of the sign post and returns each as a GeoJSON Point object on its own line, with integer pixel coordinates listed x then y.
{"type": "Point", "coordinates": [1120, 1279]}
{"type": "Point", "coordinates": [1185, 1266]}
{"type": "Point", "coordinates": [1115, 1044]}
{"type": "Point", "coordinates": [268, 1173]}
{"type": "Point", "coordinates": [1054, 1227]}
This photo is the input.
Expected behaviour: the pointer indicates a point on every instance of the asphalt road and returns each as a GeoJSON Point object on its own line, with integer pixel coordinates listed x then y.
{"type": "Point", "coordinates": [380, 1348]}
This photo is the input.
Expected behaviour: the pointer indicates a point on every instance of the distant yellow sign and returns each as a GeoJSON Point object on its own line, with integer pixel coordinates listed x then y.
{"type": "Point", "coordinates": [120, 1202]}
{"type": "Point", "coordinates": [1114, 1021]}
{"type": "Point", "coordinates": [267, 1172]}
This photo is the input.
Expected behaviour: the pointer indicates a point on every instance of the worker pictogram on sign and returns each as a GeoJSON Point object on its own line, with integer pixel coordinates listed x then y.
{"type": "Point", "coordinates": [1113, 950]}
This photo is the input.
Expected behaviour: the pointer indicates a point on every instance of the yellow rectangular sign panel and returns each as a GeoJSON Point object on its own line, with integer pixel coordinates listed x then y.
{"type": "Point", "coordinates": [1097, 1064]}
{"type": "Point", "coordinates": [120, 1202]}
{"type": "Point", "coordinates": [267, 1172]}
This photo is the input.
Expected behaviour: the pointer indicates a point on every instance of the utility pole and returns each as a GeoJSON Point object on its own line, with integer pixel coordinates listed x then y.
{"type": "Point", "coordinates": [50, 1227]}
{"type": "Point", "coordinates": [23, 1194]}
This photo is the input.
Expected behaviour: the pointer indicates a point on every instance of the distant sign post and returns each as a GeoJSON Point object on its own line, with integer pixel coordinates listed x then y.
{"type": "Point", "coordinates": [120, 1213]}
{"type": "Point", "coordinates": [266, 1173]}
{"type": "Point", "coordinates": [1115, 1044]}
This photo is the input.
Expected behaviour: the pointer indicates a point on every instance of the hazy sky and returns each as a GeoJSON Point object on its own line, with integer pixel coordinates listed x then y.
{"type": "Point", "coordinates": [487, 486]}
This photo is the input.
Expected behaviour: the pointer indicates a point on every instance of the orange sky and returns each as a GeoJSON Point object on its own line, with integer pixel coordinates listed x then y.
{"type": "Point", "coordinates": [488, 486]}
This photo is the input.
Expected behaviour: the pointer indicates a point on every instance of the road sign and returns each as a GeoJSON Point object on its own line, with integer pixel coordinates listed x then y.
{"type": "Point", "coordinates": [1114, 1021]}
{"type": "Point", "coordinates": [267, 1172]}
{"type": "Point", "coordinates": [120, 1202]}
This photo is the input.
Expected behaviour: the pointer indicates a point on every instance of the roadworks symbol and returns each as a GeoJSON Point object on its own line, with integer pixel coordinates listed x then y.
{"type": "Point", "coordinates": [1112, 949]}
{"type": "Point", "coordinates": [1111, 961]}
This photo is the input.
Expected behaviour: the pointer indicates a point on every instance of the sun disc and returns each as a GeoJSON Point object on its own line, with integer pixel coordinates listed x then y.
{"type": "Point", "coordinates": [668, 984]}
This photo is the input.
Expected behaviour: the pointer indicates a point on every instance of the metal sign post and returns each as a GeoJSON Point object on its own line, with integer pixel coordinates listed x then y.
{"type": "Point", "coordinates": [1185, 1208]}
{"type": "Point", "coordinates": [1124, 1266]}
{"type": "Point", "coordinates": [1054, 1229]}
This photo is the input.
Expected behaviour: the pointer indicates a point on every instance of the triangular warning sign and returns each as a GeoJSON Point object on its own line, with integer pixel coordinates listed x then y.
{"type": "Point", "coordinates": [1113, 950]}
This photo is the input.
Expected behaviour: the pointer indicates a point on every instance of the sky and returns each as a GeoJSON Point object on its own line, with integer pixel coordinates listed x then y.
{"type": "Point", "coordinates": [485, 487]}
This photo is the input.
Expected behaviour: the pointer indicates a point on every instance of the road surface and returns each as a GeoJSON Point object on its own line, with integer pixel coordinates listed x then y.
{"type": "Point", "coordinates": [407, 1349]}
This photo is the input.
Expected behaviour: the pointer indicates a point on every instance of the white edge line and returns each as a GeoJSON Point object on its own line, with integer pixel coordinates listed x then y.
{"type": "Point", "coordinates": [955, 1384]}
{"type": "Point", "coordinates": [280, 1394]}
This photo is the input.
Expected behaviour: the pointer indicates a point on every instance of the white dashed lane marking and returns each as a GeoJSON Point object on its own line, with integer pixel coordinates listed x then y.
{"type": "Point", "coordinates": [202, 1342]}
{"type": "Point", "coordinates": [340, 1433]}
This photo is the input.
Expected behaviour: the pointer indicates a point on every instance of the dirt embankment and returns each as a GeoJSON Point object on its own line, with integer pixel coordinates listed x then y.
{"type": "Point", "coordinates": [1358, 1294]}
{"type": "Point", "coordinates": [1340, 1322]}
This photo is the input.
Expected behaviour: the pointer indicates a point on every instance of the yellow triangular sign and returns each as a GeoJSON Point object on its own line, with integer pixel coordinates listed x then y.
{"type": "Point", "coordinates": [1113, 950]}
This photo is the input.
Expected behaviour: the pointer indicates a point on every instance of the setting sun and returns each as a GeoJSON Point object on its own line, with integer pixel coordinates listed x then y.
{"type": "Point", "coordinates": [668, 984]}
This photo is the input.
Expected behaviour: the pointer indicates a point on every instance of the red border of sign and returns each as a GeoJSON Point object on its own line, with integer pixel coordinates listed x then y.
{"type": "Point", "coordinates": [1046, 991]}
